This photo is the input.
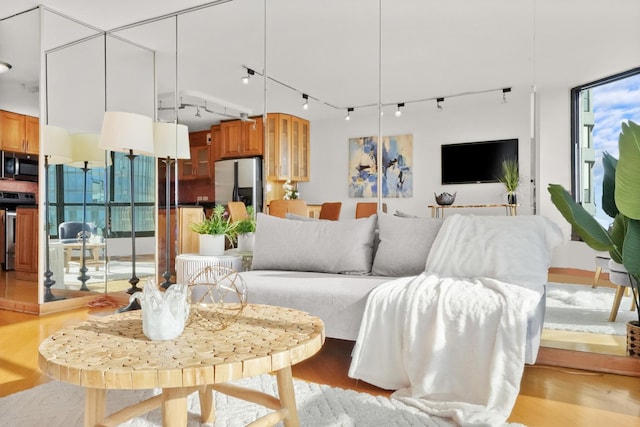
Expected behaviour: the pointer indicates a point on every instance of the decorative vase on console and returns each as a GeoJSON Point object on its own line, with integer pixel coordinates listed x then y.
{"type": "Point", "coordinates": [511, 179]}
{"type": "Point", "coordinates": [214, 231]}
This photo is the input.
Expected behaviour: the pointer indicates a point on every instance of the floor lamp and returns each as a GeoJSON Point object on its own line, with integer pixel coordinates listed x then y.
{"type": "Point", "coordinates": [171, 141]}
{"type": "Point", "coordinates": [133, 134]}
{"type": "Point", "coordinates": [86, 154]}
{"type": "Point", "coordinates": [57, 150]}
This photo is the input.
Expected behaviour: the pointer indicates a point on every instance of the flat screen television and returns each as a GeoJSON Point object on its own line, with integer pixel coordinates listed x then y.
{"type": "Point", "coordinates": [476, 162]}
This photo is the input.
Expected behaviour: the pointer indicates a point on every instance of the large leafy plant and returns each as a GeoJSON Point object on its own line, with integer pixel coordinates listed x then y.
{"type": "Point", "coordinates": [620, 200]}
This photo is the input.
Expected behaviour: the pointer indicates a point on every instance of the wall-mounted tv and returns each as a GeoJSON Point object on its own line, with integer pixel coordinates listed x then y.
{"type": "Point", "coordinates": [476, 162]}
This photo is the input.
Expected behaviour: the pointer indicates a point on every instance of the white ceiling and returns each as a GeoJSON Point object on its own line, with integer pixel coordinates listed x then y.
{"type": "Point", "coordinates": [333, 50]}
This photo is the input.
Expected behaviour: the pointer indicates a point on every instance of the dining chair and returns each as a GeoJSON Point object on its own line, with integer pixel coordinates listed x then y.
{"type": "Point", "coordinates": [330, 211]}
{"type": "Point", "coordinates": [281, 208]}
{"type": "Point", "coordinates": [366, 209]}
{"type": "Point", "coordinates": [237, 211]}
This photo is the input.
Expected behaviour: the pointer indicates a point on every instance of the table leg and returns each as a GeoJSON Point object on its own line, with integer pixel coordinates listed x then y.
{"type": "Point", "coordinates": [174, 407]}
{"type": "Point", "coordinates": [287, 396]}
{"type": "Point", "coordinates": [94, 406]}
{"type": "Point", "coordinates": [207, 405]}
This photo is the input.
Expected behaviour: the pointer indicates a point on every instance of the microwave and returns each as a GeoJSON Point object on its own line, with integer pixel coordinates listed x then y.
{"type": "Point", "coordinates": [19, 168]}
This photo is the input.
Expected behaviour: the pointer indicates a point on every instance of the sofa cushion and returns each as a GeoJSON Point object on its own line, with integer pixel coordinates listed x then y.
{"type": "Point", "coordinates": [404, 244]}
{"type": "Point", "coordinates": [323, 246]}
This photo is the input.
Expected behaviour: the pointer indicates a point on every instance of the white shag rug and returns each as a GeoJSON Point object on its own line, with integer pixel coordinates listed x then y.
{"type": "Point", "coordinates": [580, 308]}
{"type": "Point", "coordinates": [57, 404]}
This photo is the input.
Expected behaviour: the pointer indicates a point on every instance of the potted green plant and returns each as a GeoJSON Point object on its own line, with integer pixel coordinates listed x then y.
{"type": "Point", "coordinates": [621, 200]}
{"type": "Point", "coordinates": [214, 230]}
{"type": "Point", "coordinates": [245, 231]}
{"type": "Point", "coordinates": [511, 179]}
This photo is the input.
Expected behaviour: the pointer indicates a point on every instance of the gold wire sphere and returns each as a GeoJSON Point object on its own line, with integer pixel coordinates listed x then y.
{"type": "Point", "coordinates": [218, 295]}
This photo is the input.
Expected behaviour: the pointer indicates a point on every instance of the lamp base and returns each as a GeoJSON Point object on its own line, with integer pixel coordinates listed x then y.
{"type": "Point", "coordinates": [133, 305]}
{"type": "Point", "coordinates": [48, 283]}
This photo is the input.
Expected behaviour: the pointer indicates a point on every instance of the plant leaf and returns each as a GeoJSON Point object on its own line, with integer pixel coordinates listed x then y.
{"type": "Point", "coordinates": [583, 223]}
{"type": "Point", "coordinates": [627, 185]}
{"type": "Point", "coordinates": [609, 185]}
{"type": "Point", "coordinates": [617, 233]}
{"type": "Point", "coordinates": [631, 248]}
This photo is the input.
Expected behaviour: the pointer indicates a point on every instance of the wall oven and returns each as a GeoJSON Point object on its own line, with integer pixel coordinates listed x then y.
{"type": "Point", "coordinates": [9, 201]}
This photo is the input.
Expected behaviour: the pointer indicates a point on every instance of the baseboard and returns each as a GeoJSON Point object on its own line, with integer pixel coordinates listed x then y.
{"type": "Point", "coordinates": [619, 365]}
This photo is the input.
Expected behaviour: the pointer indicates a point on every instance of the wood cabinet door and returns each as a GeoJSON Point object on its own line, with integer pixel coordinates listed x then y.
{"type": "Point", "coordinates": [252, 138]}
{"type": "Point", "coordinates": [216, 144]}
{"type": "Point", "coordinates": [12, 126]}
{"type": "Point", "coordinates": [32, 135]}
{"type": "Point", "coordinates": [304, 153]}
{"type": "Point", "coordinates": [271, 148]}
{"type": "Point", "coordinates": [26, 240]}
{"type": "Point", "coordinates": [231, 137]}
{"type": "Point", "coordinates": [284, 147]}
{"type": "Point", "coordinates": [201, 160]}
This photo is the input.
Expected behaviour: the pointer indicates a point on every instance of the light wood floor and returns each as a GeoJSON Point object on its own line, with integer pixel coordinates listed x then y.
{"type": "Point", "coordinates": [549, 396]}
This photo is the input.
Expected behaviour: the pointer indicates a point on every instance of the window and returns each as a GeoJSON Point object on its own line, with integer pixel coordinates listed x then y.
{"type": "Point", "coordinates": [108, 198]}
{"type": "Point", "coordinates": [598, 110]}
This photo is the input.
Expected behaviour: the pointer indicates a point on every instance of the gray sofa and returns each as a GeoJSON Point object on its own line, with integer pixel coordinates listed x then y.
{"type": "Point", "coordinates": [328, 268]}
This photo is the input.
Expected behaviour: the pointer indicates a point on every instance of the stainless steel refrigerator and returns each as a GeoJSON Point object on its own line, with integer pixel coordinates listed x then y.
{"type": "Point", "coordinates": [239, 180]}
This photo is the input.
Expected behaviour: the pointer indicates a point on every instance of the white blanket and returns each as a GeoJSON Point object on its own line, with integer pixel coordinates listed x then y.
{"type": "Point", "coordinates": [454, 346]}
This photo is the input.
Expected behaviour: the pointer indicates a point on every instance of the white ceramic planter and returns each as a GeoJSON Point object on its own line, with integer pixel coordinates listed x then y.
{"type": "Point", "coordinates": [212, 244]}
{"type": "Point", "coordinates": [246, 241]}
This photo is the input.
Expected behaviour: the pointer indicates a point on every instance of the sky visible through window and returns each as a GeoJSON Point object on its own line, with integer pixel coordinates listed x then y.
{"type": "Point", "coordinates": [613, 103]}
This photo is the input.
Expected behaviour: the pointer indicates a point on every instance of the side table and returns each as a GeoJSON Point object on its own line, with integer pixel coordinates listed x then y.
{"type": "Point", "coordinates": [247, 257]}
{"type": "Point", "coordinates": [189, 264]}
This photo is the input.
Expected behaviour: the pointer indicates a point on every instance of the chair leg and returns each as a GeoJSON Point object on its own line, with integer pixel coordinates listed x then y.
{"type": "Point", "coordinates": [616, 303]}
{"type": "Point", "coordinates": [596, 277]}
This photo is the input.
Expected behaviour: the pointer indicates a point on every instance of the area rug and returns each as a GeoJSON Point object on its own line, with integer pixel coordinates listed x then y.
{"type": "Point", "coordinates": [57, 404]}
{"type": "Point", "coordinates": [580, 308]}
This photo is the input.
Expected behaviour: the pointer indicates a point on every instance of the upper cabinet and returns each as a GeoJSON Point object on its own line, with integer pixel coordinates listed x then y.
{"type": "Point", "coordinates": [199, 165]}
{"type": "Point", "coordinates": [19, 133]}
{"type": "Point", "coordinates": [242, 138]}
{"type": "Point", "coordinates": [216, 142]}
{"type": "Point", "coordinates": [287, 148]}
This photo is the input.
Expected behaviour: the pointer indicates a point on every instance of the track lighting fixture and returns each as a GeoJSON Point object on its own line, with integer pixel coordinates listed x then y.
{"type": "Point", "coordinates": [305, 106]}
{"type": "Point", "coordinates": [245, 79]}
{"type": "Point", "coordinates": [198, 111]}
{"type": "Point", "coordinates": [4, 67]}
{"type": "Point", "coordinates": [504, 94]}
{"type": "Point", "coordinates": [439, 102]}
{"type": "Point", "coordinates": [348, 116]}
{"type": "Point", "coordinates": [398, 112]}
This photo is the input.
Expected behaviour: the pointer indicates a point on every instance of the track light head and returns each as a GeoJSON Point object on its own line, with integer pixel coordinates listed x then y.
{"type": "Point", "coordinates": [245, 79]}
{"type": "Point", "coordinates": [505, 91]}
{"type": "Point", "coordinates": [398, 112]}
{"type": "Point", "coordinates": [4, 67]}
{"type": "Point", "coordinates": [305, 106]}
{"type": "Point", "coordinates": [439, 102]}
{"type": "Point", "coordinates": [198, 112]}
{"type": "Point", "coordinates": [348, 116]}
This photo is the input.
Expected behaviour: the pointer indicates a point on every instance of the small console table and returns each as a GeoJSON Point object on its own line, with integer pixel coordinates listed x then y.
{"type": "Point", "coordinates": [437, 211]}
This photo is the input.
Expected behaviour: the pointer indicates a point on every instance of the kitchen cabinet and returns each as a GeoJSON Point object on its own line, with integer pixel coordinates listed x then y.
{"type": "Point", "coordinates": [287, 148]}
{"type": "Point", "coordinates": [242, 138]}
{"type": "Point", "coordinates": [26, 263]}
{"type": "Point", "coordinates": [199, 165]}
{"type": "Point", "coordinates": [19, 133]}
{"type": "Point", "coordinates": [216, 143]}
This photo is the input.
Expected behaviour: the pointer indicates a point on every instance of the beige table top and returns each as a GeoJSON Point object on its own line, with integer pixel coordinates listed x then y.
{"type": "Point", "coordinates": [113, 352]}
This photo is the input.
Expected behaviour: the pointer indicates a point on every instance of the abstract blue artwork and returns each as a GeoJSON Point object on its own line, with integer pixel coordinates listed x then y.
{"type": "Point", "coordinates": [397, 166]}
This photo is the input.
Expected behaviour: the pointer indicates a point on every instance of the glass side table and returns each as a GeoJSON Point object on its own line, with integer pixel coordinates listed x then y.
{"type": "Point", "coordinates": [247, 257]}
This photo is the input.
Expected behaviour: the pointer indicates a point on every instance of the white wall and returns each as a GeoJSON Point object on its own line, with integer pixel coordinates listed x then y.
{"type": "Point", "coordinates": [464, 119]}
{"type": "Point", "coordinates": [474, 118]}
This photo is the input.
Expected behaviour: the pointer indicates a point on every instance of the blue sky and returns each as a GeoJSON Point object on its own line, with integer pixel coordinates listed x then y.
{"type": "Point", "coordinates": [613, 103]}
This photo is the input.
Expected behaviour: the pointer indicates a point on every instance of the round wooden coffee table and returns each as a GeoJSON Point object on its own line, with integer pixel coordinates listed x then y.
{"type": "Point", "coordinates": [113, 353]}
